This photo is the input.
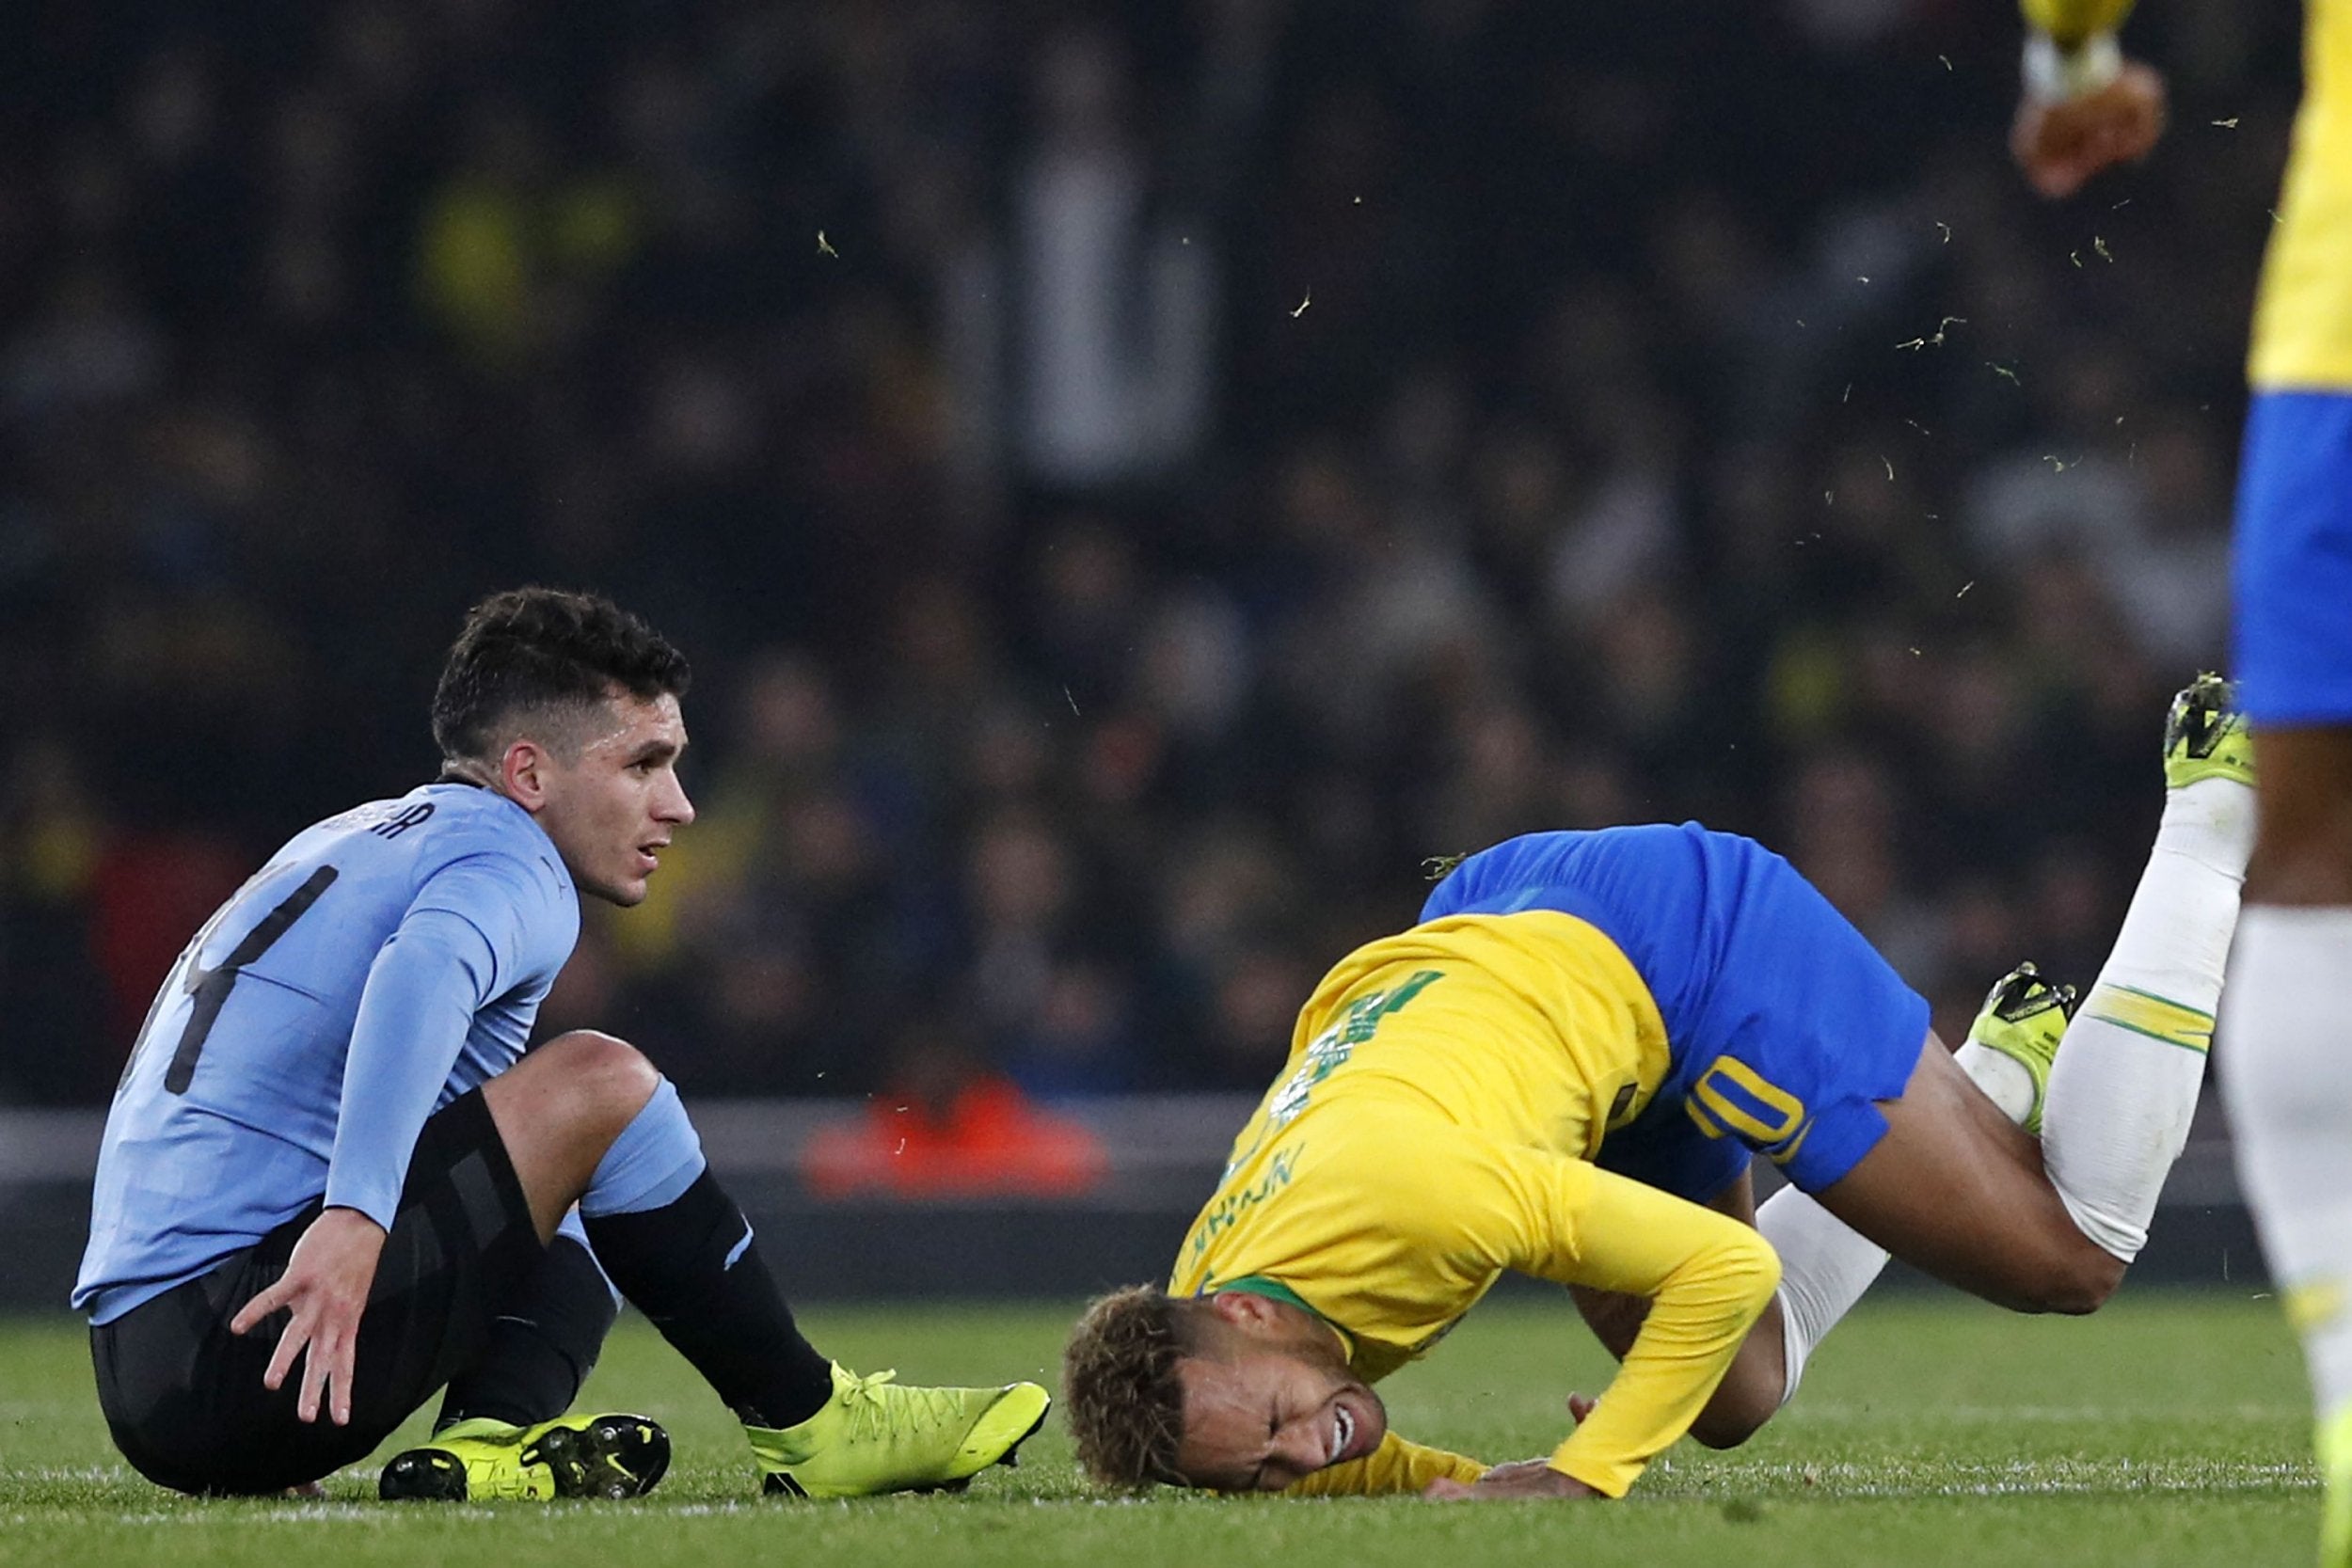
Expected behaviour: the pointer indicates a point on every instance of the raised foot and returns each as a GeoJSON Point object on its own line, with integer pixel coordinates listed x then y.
{"type": "Point", "coordinates": [2205, 736]}
{"type": "Point", "coordinates": [2024, 1019]}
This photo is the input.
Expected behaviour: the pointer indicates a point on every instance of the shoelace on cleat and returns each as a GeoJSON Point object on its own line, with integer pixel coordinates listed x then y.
{"type": "Point", "coordinates": [878, 1405]}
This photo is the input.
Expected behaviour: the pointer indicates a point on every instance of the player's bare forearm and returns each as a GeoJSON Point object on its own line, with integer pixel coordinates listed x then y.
{"type": "Point", "coordinates": [324, 1288]}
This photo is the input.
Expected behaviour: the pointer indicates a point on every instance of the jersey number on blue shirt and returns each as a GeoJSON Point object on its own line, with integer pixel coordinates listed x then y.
{"type": "Point", "coordinates": [210, 987]}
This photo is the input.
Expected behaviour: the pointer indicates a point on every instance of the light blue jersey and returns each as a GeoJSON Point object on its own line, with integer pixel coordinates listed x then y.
{"type": "Point", "coordinates": [382, 963]}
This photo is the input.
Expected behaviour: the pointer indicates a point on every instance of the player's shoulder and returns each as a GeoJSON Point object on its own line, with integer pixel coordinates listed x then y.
{"type": "Point", "coordinates": [437, 826]}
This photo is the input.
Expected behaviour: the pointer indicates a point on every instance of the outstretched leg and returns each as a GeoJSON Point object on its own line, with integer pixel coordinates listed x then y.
{"type": "Point", "coordinates": [677, 1245]}
{"type": "Point", "coordinates": [1960, 1191]}
{"type": "Point", "coordinates": [2123, 1090]}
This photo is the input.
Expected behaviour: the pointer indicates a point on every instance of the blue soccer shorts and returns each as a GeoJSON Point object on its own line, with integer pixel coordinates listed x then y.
{"type": "Point", "coordinates": [1804, 1030]}
{"type": "Point", "coordinates": [2293, 562]}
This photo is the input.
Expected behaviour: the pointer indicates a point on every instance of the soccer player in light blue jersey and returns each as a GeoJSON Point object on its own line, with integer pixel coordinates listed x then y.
{"type": "Point", "coordinates": [337, 1176]}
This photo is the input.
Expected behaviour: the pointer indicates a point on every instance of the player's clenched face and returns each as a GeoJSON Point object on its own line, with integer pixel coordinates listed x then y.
{"type": "Point", "coordinates": [611, 798]}
{"type": "Point", "coordinates": [1266, 1416]}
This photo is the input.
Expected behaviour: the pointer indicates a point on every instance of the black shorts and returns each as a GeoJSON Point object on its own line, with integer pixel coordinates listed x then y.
{"type": "Point", "coordinates": [184, 1396]}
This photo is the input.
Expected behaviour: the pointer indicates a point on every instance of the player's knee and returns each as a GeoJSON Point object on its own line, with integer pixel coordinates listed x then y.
{"type": "Point", "coordinates": [1728, 1426]}
{"type": "Point", "coordinates": [609, 1077]}
{"type": "Point", "coordinates": [2075, 1280]}
{"type": "Point", "coordinates": [2095, 1278]}
{"type": "Point", "coordinates": [1749, 1395]}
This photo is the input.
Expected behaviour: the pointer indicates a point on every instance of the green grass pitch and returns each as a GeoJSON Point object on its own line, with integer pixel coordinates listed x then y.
{"type": "Point", "coordinates": [2168, 1429]}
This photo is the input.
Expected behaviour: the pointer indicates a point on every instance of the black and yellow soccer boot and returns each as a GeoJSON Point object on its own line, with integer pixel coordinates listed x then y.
{"type": "Point", "coordinates": [2024, 1019]}
{"type": "Point", "coordinates": [479, 1459]}
{"type": "Point", "coordinates": [2205, 736]}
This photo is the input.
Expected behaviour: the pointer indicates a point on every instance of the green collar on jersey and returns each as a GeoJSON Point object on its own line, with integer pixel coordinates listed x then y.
{"type": "Point", "coordinates": [1274, 1289]}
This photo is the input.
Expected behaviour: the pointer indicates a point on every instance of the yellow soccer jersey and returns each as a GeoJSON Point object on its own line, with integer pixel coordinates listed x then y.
{"type": "Point", "coordinates": [1446, 1091]}
{"type": "Point", "coordinates": [2303, 315]}
{"type": "Point", "coordinates": [2302, 337]}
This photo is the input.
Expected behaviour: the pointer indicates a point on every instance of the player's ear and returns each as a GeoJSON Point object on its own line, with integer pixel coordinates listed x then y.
{"type": "Point", "coordinates": [1244, 1309]}
{"type": "Point", "coordinates": [523, 774]}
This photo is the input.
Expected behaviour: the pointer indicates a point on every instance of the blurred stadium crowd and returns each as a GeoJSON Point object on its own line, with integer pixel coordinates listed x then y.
{"type": "Point", "coordinates": [1134, 479]}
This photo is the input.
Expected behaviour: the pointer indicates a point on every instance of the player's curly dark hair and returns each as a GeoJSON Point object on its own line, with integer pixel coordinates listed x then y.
{"type": "Point", "coordinates": [1118, 1380]}
{"type": "Point", "coordinates": [539, 648]}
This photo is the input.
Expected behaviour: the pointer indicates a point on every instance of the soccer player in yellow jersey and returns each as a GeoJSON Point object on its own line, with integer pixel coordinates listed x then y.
{"type": "Point", "coordinates": [2290, 1026]}
{"type": "Point", "coordinates": [1565, 1070]}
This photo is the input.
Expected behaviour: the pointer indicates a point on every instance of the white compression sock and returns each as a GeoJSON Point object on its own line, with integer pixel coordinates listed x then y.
{"type": "Point", "coordinates": [2288, 1077]}
{"type": "Point", "coordinates": [1825, 1267]}
{"type": "Point", "coordinates": [2126, 1084]}
{"type": "Point", "coordinates": [2001, 1076]}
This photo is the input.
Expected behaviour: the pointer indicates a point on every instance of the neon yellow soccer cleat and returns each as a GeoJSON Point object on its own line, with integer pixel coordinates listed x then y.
{"type": "Point", "coordinates": [2205, 736]}
{"type": "Point", "coordinates": [572, 1456]}
{"type": "Point", "coordinates": [876, 1435]}
{"type": "Point", "coordinates": [2024, 1017]}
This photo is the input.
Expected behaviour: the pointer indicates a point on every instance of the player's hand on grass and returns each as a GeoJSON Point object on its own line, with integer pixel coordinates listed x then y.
{"type": "Point", "coordinates": [1521, 1478]}
{"type": "Point", "coordinates": [2062, 144]}
{"type": "Point", "coordinates": [1526, 1478]}
{"type": "Point", "coordinates": [326, 1286]}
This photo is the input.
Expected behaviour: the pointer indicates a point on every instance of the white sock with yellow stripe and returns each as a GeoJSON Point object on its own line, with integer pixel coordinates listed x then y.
{"type": "Point", "coordinates": [2125, 1083]}
{"type": "Point", "coordinates": [2288, 1049]}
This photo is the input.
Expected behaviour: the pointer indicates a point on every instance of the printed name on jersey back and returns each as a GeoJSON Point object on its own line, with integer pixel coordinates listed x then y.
{"type": "Point", "coordinates": [383, 818]}
{"type": "Point", "coordinates": [401, 821]}
{"type": "Point", "coordinates": [1331, 1049]}
{"type": "Point", "coordinates": [1222, 1215]}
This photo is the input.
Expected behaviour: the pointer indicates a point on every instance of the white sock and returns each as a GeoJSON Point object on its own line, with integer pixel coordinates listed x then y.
{"type": "Point", "coordinates": [2289, 1083]}
{"type": "Point", "coordinates": [2001, 1076]}
{"type": "Point", "coordinates": [2120, 1096]}
{"type": "Point", "coordinates": [1825, 1267]}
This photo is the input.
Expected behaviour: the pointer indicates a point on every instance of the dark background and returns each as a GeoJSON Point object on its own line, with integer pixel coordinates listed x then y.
{"type": "Point", "coordinates": [1132, 480]}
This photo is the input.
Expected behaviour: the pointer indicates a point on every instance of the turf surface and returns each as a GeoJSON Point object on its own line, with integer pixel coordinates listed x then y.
{"type": "Point", "coordinates": [2168, 1429]}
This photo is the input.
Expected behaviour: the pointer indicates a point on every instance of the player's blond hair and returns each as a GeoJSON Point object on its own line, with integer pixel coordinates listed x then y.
{"type": "Point", "coordinates": [1118, 1380]}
